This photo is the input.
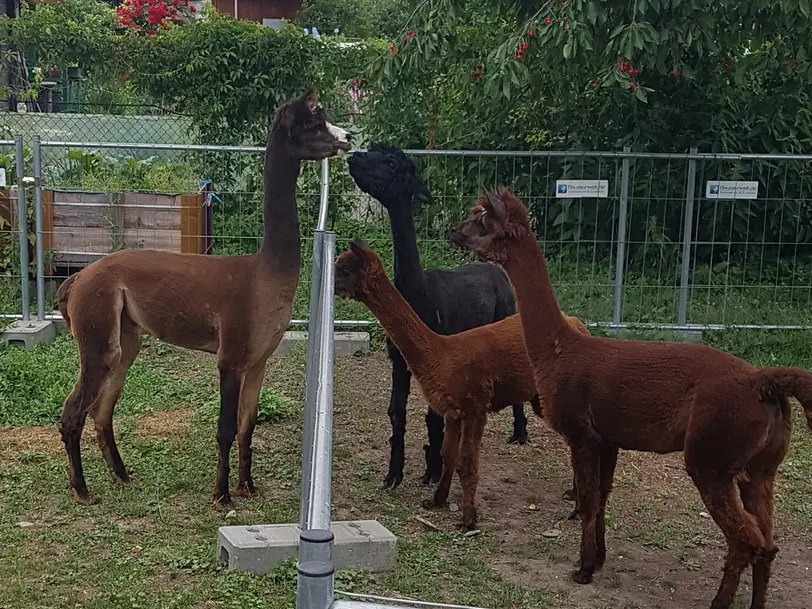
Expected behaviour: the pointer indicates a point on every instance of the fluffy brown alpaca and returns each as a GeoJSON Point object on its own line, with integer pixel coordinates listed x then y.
{"type": "Point", "coordinates": [456, 373]}
{"type": "Point", "coordinates": [731, 420]}
{"type": "Point", "coordinates": [237, 307]}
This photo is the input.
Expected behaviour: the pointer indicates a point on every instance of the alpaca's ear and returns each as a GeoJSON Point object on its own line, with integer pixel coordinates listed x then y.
{"type": "Point", "coordinates": [357, 246]}
{"type": "Point", "coordinates": [311, 99]}
{"type": "Point", "coordinates": [495, 203]}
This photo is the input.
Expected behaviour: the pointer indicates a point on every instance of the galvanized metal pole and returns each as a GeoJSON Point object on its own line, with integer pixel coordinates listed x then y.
{"type": "Point", "coordinates": [313, 342]}
{"type": "Point", "coordinates": [687, 240]}
{"type": "Point", "coordinates": [321, 472]}
{"type": "Point", "coordinates": [324, 192]}
{"type": "Point", "coordinates": [311, 376]}
{"type": "Point", "coordinates": [38, 229]}
{"type": "Point", "coordinates": [620, 261]}
{"type": "Point", "coordinates": [22, 228]}
{"type": "Point", "coordinates": [316, 575]}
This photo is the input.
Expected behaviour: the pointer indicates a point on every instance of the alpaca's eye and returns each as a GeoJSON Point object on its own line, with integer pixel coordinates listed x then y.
{"type": "Point", "coordinates": [391, 164]}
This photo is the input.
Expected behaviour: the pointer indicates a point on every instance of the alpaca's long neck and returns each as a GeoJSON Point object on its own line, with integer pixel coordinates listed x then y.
{"type": "Point", "coordinates": [280, 241]}
{"type": "Point", "coordinates": [416, 342]}
{"type": "Point", "coordinates": [409, 277]}
{"type": "Point", "coordinates": [542, 321]}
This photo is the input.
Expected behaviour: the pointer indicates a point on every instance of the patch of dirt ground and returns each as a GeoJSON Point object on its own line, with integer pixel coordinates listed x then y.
{"type": "Point", "coordinates": [663, 549]}
{"type": "Point", "coordinates": [45, 440]}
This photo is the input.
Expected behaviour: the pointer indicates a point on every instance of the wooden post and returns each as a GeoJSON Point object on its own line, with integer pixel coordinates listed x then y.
{"type": "Point", "coordinates": [192, 235]}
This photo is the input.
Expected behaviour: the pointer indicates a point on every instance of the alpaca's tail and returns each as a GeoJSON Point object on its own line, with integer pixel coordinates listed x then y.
{"type": "Point", "coordinates": [62, 295]}
{"type": "Point", "coordinates": [786, 382]}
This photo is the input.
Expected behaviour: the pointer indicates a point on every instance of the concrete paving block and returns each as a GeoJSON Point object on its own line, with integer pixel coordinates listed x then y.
{"type": "Point", "coordinates": [361, 544]}
{"type": "Point", "coordinates": [26, 334]}
{"type": "Point", "coordinates": [346, 343]}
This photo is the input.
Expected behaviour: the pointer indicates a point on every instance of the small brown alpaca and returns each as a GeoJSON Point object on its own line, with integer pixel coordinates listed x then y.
{"type": "Point", "coordinates": [456, 373]}
{"type": "Point", "coordinates": [731, 420]}
{"type": "Point", "coordinates": [237, 307]}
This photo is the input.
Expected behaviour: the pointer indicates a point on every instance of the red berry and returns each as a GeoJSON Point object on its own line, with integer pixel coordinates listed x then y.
{"type": "Point", "coordinates": [624, 67]}
{"type": "Point", "coordinates": [530, 34]}
{"type": "Point", "coordinates": [355, 83]}
{"type": "Point", "coordinates": [673, 37]}
{"type": "Point", "coordinates": [411, 33]}
{"type": "Point", "coordinates": [377, 72]}
{"type": "Point", "coordinates": [667, 25]}
{"type": "Point", "coordinates": [730, 68]}
{"type": "Point", "coordinates": [794, 67]}
{"type": "Point", "coordinates": [595, 85]}
{"type": "Point", "coordinates": [548, 21]}
{"type": "Point", "coordinates": [340, 90]}
{"type": "Point", "coordinates": [479, 65]}
{"type": "Point", "coordinates": [391, 45]}
{"type": "Point", "coordinates": [675, 73]}
{"type": "Point", "coordinates": [791, 58]}
{"type": "Point", "coordinates": [566, 27]}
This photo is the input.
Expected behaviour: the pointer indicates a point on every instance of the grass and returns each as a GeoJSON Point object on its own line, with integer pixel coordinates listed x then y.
{"type": "Point", "coordinates": [153, 543]}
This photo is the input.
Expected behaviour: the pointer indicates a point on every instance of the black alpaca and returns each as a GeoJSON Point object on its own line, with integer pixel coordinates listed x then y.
{"type": "Point", "coordinates": [448, 301]}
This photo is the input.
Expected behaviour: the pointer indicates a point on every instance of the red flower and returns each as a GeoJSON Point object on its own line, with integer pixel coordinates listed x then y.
{"type": "Point", "coordinates": [355, 83]}
{"type": "Point", "coordinates": [192, 8]}
{"type": "Point", "coordinates": [150, 32]}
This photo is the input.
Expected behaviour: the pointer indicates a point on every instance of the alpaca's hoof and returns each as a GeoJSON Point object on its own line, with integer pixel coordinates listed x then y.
{"type": "Point", "coordinates": [124, 478]}
{"type": "Point", "coordinates": [430, 505]}
{"type": "Point", "coordinates": [222, 501]}
{"type": "Point", "coordinates": [84, 497]}
{"type": "Point", "coordinates": [246, 489]}
{"type": "Point", "coordinates": [469, 518]}
{"type": "Point", "coordinates": [569, 495]}
{"type": "Point", "coordinates": [518, 438]}
{"type": "Point", "coordinates": [392, 480]}
{"type": "Point", "coordinates": [582, 577]}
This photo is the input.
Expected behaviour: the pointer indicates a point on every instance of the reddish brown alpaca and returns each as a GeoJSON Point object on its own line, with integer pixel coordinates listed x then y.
{"type": "Point", "coordinates": [731, 420]}
{"type": "Point", "coordinates": [456, 373]}
{"type": "Point", "coordinates": [237, 307]}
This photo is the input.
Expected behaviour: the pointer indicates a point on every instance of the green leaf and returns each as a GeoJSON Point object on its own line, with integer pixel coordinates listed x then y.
{"type": "Point", "coordinates": [569, 48]}
{"type": "Point", "coordinates": [641, 95]}
{"type": "Point", "coordinates": [617, 30]}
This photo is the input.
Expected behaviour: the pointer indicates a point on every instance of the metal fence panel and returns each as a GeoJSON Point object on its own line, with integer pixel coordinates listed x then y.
{"type": "Point", "coordinates": [14, 243]}
{"type": "Point", "coordinates": [624, 258]}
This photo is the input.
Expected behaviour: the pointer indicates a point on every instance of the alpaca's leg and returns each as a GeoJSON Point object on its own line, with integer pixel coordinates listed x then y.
{"type": "Point", "coordinates": [519, 425]}
{"type": "Point", "coordinates": [586, 464]}
{"type": "Point", "coordinates": [470, 446]}
{"type": "Point", "coordinates": [99, 356]}
{"type": "Point", "coordinates": [451, 448]}
{"type": "Point", "coordinates": [246, 421]}
{"type": "Point", "coordinates": [434, 457]}
{"type": "Point", "coordinates": [401, 380]}
{"type": "Point", "coordinates": [608, 463]}
{"type": "Point", "coordinates": [745, 540]}
{"type": "Point", "coordinates": [231, 383]}
{"type": "Point", "coordinates": [757, 497]}
{"type": "Point", "coordinates": [102, 411]}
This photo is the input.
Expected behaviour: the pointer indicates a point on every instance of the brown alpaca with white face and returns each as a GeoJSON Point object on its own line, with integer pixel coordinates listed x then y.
{"type": "Point", "coordinates": [237, 307]}
{"type": "Point", "coordinates": [463, 376]}
{"type": "Point", "coordinates": [731, 420]}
